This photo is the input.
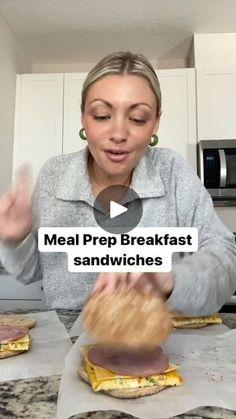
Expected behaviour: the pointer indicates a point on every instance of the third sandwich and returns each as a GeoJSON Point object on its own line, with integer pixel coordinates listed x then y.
{"type": "Point", "coordinates": [13, 341]}
{"type": "Point", "coordinates": [180, 321]}
{"type": "Point", "coordinates": [127, 372]}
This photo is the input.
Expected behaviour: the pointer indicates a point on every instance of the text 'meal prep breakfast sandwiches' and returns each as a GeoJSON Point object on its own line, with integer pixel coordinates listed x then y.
{"type": "Point", "coordinates": [14, 334]}
{"type": "Point", "coordinates": [127, 361]}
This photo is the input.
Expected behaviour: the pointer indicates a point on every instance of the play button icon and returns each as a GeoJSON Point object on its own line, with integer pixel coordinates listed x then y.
{"type": "Point", "coordinates": [118, 209]}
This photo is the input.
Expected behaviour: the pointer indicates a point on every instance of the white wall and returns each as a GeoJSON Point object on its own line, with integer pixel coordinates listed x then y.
{"type": "Point", "coordinates": [84, 67]}
{"type": "Point", "coordinates": [39, 68]}
{"type": "Point", "coordinates": [13, 60]}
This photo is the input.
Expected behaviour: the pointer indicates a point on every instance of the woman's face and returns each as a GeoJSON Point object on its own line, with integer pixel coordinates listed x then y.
{"type": "Point", "coordinates": [119, 119]}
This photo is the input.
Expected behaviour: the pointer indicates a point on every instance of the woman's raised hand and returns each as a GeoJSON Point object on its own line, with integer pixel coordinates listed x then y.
{"type": "Point", "coordinates": [16, 210]}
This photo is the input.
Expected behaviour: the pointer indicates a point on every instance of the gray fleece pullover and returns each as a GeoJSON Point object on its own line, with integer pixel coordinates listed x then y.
{"type": "Point", "coordinates": [172, 196]}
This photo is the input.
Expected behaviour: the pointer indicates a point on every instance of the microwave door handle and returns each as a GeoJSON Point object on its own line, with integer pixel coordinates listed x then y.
{"type": "Point", "coordinates": [223, 168]}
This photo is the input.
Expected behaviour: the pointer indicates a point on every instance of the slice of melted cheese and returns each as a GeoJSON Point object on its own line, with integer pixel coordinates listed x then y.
{"type": "Point", "coordinates": [103, 379]}
{"type": "Point", "coordinates": [188, 320]}
{"type": "Point", "coordinates": [21, 344]}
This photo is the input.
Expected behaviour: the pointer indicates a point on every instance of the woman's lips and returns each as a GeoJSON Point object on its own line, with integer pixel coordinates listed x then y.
{"type": "Point", "coordinates": [117, 155]}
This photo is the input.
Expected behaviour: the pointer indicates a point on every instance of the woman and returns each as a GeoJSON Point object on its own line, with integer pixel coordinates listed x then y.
{"type": "Point", "coordinates": [121, 108]}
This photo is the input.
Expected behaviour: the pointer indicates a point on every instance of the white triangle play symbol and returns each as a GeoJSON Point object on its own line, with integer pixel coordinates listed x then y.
{"type": "Point", "coordinates": [116, 209]}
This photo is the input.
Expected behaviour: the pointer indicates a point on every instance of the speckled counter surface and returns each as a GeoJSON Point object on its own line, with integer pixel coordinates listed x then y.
{"type": "Point", "coordinates": [36, 398]}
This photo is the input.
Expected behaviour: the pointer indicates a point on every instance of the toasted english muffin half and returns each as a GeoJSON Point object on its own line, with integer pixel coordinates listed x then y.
{"type": "Point", "coordinates": [120, 318]}
{"type": "Point", "coordinates": [18, 320]}
{"type": "Point", "coordinates": [9, 354]}
{"type": "Point", "coordinates": [188, 322]}
{"type": "Point", "coordinates": [128, 393]}
{"type": "Point", "coordinates": [191, 326]}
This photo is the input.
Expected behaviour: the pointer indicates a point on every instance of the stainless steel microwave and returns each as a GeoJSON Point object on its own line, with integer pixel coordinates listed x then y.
{"type": "Point", "coordinates": [217, 169]}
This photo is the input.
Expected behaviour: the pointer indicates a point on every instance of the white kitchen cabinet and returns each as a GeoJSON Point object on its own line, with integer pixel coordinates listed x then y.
{"type": "Point", "coordinates": [178, 121]}
{"type": "Point", "coordinates": [72, 112]}
{"type": "Point", "coordinates": [216, 108]}
{"type": "Point", "coordinates": [38, 120]}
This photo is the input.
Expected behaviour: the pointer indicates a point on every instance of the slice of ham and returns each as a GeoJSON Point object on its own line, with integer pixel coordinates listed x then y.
{"type": "Point", "coordinates": [140, 362]}
{"type": "Point", "coordinates": [11, 333]}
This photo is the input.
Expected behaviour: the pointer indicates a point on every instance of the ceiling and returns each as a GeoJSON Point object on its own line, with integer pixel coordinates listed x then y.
{"type": "Point", "coordinates": [71, 31]}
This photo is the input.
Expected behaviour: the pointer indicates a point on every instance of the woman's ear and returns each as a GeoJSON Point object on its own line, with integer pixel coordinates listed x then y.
{"type": "Point", "coordinates": [82, 120]}
{"type": "Point", "coordinates": [157, 123]}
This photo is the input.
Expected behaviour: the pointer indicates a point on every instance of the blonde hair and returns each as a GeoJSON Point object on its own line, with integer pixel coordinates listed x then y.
{"type": "Point", "coordinates": [124, 63]}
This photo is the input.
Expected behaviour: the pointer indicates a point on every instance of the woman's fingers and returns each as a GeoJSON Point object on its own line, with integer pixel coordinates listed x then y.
{"type": "Point", "coordinates": [133, 278]}
{"type": "Point", "coordinates": [110, 281]}
{"type": "Point", "coordinates": [24, 182]}
{"type": "Point", "coordinates": [6, 201]}
{"type": "Point", "coordinates": [142, 281]}
{"type": "Point", "coordinates": [100, 283]}
{"type": "Point", "coordinates": [18, 198]}
{"type": "Point", "coordinates": [161, 282]}
{"type": "Point", "coordinates": [21, 206]}
{"type": "Point", "coordinates": [15, 209]}
{"type": "Point", "coordinates": [103, 280]}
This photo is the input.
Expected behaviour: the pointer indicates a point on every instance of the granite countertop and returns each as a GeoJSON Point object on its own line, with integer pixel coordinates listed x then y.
{"type": "Point", "coordinates": [36, 398]}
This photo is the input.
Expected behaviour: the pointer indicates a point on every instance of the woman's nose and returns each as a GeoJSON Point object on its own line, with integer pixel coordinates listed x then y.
{"type": "Point", "coordinates": [119, 131]}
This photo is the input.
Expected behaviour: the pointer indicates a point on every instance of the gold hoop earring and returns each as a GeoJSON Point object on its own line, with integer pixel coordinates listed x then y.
{"type": "Point", "coordinates": [82, 134]}
{"type": "Point", "coordinates": [154, 140]}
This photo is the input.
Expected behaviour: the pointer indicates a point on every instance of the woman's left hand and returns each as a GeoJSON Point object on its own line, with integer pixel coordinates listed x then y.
{"type": "Point", "coordinates": [161, 283]}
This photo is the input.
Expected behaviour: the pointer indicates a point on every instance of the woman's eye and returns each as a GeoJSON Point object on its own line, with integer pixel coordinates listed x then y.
{"type": "Point", "coordinates": [101, 117]}
{"type": "Point", "coordinates": [138, 121]}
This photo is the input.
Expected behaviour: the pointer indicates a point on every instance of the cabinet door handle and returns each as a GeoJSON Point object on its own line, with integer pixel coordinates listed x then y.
{"type": "Point", "coordinates": [223, 168]}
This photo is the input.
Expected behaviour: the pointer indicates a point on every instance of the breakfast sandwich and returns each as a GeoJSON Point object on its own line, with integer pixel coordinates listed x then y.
{"type": "Point", "coordinates": [127, 361]}
{"type": "Point", "coordinates": [18, 320]}
{"type": "Point", "coordinates": [124, 373]}
{"type": "Point", "coordinates": [180, 321]}
{"type": "Point", "coordinates": [13, 341]}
